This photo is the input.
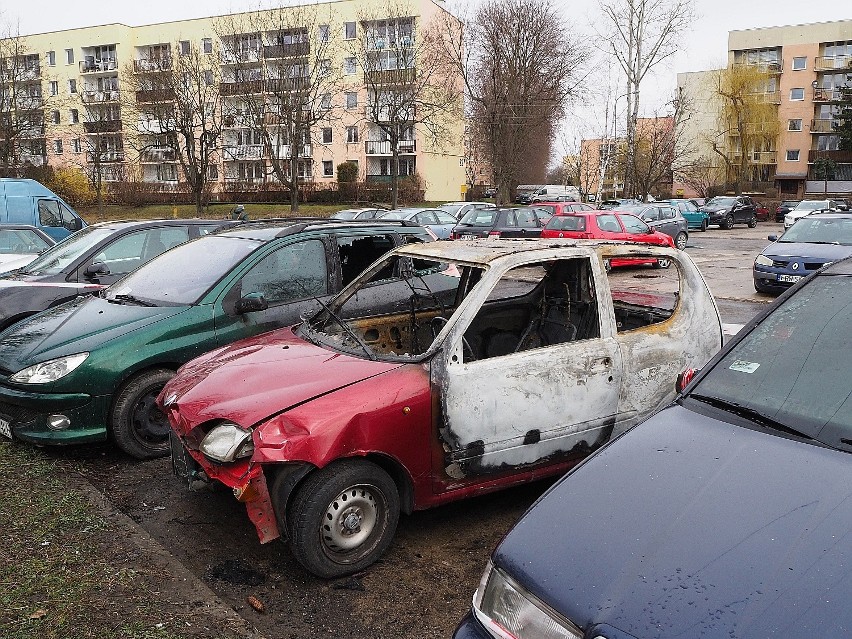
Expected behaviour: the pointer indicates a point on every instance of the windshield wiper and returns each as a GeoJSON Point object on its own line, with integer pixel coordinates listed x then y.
{"type": "Point", "coordinates": [346, 328]}
{"type": "Point", "coordinates": [749, 413]}
{"type": "Point", "coordinates": [130, 298]}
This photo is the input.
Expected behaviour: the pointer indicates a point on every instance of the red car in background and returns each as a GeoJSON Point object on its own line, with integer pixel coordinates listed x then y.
{"type": "Point", "coordinates": [609, 225]}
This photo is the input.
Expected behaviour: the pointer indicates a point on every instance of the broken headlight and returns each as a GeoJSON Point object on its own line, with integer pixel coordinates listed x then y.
{"type": "Point", "coordinates": [49, 371]}
{"type": "Point", "coordinates": [226, 442]}
{"type": "Point", "coordinates": [508, 611]}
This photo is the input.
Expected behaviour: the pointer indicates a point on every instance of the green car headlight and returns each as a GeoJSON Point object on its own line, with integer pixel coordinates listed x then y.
{"type": "Point", "coordinates": [227, 442]}
{"type": "Point", "coordinates": [509, 612]}
{"type": "Point", "coordinates": [49, 371]}
{"type": "Point", "coordinates": [762, 260]}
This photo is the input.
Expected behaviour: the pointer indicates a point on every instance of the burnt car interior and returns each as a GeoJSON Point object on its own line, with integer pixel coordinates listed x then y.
{"type": "Point", "coordinates": [642, 298]}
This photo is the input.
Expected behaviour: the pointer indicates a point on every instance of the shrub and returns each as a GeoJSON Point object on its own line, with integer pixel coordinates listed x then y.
{"type": "Point", "coordinates": [347, 172]}
{"type": "Point", "coordinates": [72, 185]}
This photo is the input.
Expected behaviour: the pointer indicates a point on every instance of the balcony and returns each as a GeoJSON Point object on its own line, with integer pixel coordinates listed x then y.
{"type": "Point", "coordinates": [827, 95]}
{"type": "Point", "coordinates": [32, 131]}
{"type": "Point", "coordinates": [759, 157]}
{"type": "Point", "coordinates": [822, 126]}
{"type": "Point", "coordinates": [376, 147]}
{"type": "Point", "coordinates": [769, 97]}
{"type": "Point", "coordinates": [830, 63]}
{"type": "Point", "coordinates": [245, 87]}
{"type": "Point", "coordinates": [242, 152]}
{"type": "Point", "coordinates": [841, 157]}
{"type": "Point", "coordinates": [765, 66]}
{"type": "Point", "coordinates": [157, 155]}
{"type": "Point", "coordinates": [153, 96]}
{"type": "Point", "coordinates": [297, 49]}
{"type": "Point", "coordinates": [90, 65]}
{"type": "Point", "coordinates": [152, 66]}
{"type": "Point", "coordinates": [385, 114]}
{"type": "Point", "coordinates": [752, 128]}
{"type": "Point", "coordinates": [242, 56]}
{"type": "Point", "coordinates": [97, 97]}
{"type": "Point", "coordinates": [102, 126]}
{"type": "Point", "coordinates": [272, 85]}
{"type": "Point", "coordinates": [104, 156]}
{"type": "Point", "coordinates": [389, 76]}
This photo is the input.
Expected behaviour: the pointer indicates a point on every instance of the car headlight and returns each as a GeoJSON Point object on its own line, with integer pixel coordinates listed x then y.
{"type": "Point", "coordinates": [227, 442]}
{"type": "Point", "coordinates": [762, 260]}
{"type": "Point", "coordinates": [49, 371]}
{"type": "Point", "coordinates": [509, 612]}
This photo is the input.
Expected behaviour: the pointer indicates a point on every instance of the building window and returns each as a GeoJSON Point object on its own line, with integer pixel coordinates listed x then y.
{"type": "Point", "coordinates": [207, 45]}
{"type": "Point", "coordinates": [69, 56]}
{"type": "Point", "coordinates": [794, 125]}
{"type": "Point", "coordinates": [324, 68]}
{"type": "Point", "coordinates": [184, 47]}
{"type": "Point", "coordinates": [800, 64]}
{"type": "Point", "coordinates": [208, 77]}
{"type": "Point", "coordinates": [72, 86]}
{"type": "Point", "coordinates": [326, 135]}
{"type": "Point", "coordinates": [57, 147]}
{"type": "Point", "coordinates": [75, 145]}
{"type": "Point", "coordinates": [792, 155]}
{"type": "Point", "coordinates": [351, 100]}
{"type": "Point", "coordinates": [349, 66]}
{"type": "Point", "coordinates": [797, 94]}
{"type": "Point", "coordinates": [54, 87]}
{"type": "Point", "coordinates": [212, 172]}
{"type": "Point", "coordinates": [352, 134]}
{"type": "Point", "coordinates": [323, 33]}
{"type": "Point", "coordinates": [327, 168]}
{"type": "Point", "coordinates": [74, 116]}
{"type": "Point", "coordinates": [349, 30]}
{"type": "Point", "coordinates": [51, 58]}
{"type": "Point", "coordinates": [55, 116]}
{"type": "Point", "coordinates": [325, 101]}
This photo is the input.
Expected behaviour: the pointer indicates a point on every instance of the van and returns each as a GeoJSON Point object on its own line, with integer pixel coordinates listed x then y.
{"type": "Point", "coordinates": [548, 192]}
{"type": "Point", "coordinates": [29, 202]}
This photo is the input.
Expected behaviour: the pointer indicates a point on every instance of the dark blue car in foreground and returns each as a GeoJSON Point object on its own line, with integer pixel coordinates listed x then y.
{"type": "Point", "coordinates": [726, 515]}
{"type": "Point", "coordinates": [807, 246]}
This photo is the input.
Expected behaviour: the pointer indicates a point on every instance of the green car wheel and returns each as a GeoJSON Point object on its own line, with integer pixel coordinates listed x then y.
{"type": "Point", "coordinates": [138, 427]}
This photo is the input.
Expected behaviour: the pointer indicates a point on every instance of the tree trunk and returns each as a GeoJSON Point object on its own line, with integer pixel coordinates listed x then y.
{"type": "Point", "coordinates": [394, 172]}
{"type": "Point", "coordinates": [198, 191]}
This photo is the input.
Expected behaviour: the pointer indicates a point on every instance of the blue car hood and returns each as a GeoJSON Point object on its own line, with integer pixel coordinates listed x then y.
{"type": "Point", "coordinates": [692, 527]}
{"type": "Point", "coordinates": [82, 324]}
{"type": "Point", "coordinates": [806, 250]}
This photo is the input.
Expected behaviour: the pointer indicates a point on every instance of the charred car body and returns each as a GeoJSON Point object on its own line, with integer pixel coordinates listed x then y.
{"type": "Point", "coordinates": [444, 371]}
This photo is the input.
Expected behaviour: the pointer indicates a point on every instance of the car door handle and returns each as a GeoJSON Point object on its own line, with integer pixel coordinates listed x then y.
{"type": "Point", "coordinates": [599, 364]}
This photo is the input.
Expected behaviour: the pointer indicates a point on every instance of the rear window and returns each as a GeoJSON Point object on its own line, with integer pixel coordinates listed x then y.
{"type": "Point", "coordinates": [567, 223]}
{"type": "Point", "coordinates": [479, 217]}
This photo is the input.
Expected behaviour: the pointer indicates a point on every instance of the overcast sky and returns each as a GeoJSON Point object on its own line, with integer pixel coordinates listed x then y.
{"type": "Point", "coordinates": [703, 47]}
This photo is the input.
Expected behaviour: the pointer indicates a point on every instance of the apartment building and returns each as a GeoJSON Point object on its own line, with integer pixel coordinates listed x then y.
{"type": "Point", "coordinates": [90, 98]}
{"type": "Point", "coordinates": [805, 65]}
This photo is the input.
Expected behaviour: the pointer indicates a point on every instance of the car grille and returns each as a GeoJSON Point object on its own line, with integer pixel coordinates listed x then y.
{"type": "Point", "coordinates": [17, 414]}
{"type": "Point", "coordinates": [813, 266]}
{"type": "Point", "coordinates": [779, 263]}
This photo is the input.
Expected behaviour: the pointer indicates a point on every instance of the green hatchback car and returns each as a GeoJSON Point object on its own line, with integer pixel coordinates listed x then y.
{"type": "Point", "coordinates": [91, 369]}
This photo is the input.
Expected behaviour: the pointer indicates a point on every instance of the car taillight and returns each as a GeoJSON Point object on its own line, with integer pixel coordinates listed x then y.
{"type": "Point", "coordinates": [493, 233]}
{"type": "Point", "coordinates": [684, 378]}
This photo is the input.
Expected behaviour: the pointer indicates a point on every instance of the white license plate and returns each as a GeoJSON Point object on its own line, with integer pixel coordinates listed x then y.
{"type": "Point", "coordinates": [468, 236]}
{"type": "Point", "coordinates": [789, 278]}
{"type": "Point", "coordinates": [5, 428]}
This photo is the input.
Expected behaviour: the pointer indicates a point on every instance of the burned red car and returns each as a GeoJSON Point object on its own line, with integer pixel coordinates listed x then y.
{"type": "Point", "coordinates": [444, 371]}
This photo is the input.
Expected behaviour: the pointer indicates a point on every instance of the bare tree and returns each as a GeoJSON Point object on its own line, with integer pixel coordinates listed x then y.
{"type": "Point", "coordinates": [175, 111]}
{"type": "Point", "coordinates": [22, 129]}
{"type": "Point", "coordinates": [640, 34]}
{"type": "Point", "coordinates": [700, 174]}
{"type": "Point", "coordinates": [280, 86]}
{"type": "Point", "coordinates": [412, 89]}
{"type": "Point", "coordinates": [520, 62]}
{"type": "Point", "coordinates": [660, 146]}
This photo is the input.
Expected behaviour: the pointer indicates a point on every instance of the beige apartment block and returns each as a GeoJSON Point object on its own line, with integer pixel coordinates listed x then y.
{"type": "Point", "coordinates": [82, 78]}
{"type": "Point", "coordinates": [806, 64]}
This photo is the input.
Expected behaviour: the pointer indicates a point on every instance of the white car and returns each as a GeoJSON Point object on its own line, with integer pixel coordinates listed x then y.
{"type": "Point", "coordinates": [458, 209]}
{"type": "Point", "coordinates": [806, 207]}
{"type": "Point", "coordinates": [20, 244]}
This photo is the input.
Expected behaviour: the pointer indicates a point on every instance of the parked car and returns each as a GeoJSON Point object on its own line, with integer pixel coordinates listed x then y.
{"type": "Point", "coordinates": [90, 369]}
{"type": "Point", "coordinates": [727, 514]}
{"type": "Point", "coordinates": [406, 391]}
{"type": "Point", "coordinates": [522, 221]}
{"type": "Point", "coordinates": [695, 219]}
{"type": "Point", "coordinates": [439, 222]}
{"type": "Point", "coordinates": [547, 193]}
{"type": "Point", "coordinates": [563, 208]}
{"type": "Point", "coordinates": [663, 218]}
{"type": "Point", "coordinates": [761, 212]}
{"type": "Point", "coordinates": [806, 207]}
{"type": "Point", "coordinates": [610, 225]}
{"type": "Point", "coordinates": [490, 192]}
{"type": "Point", "coordinates": [614, 204]}
{"type": "Point", "coordinates": [783, 208]}
{"type": "Point", "coordinates": [90, 260]}
{"type": "Point", "coordinates": [29, 202]}
{"type": "Point", "coordinates": [458, 209]}
{"type": "Point", "coordinates": [20, 244]}
{"type": "Point", "coordinates": [804, 248]}
{"type": "Point", "coordinates": [358, 214]}
{"type": "Point", "coordinates": [727, 210]}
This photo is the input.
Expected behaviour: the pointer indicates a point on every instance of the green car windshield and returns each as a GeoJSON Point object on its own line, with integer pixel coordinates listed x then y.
{"type": "Point", "coordinates": [57, 258]}
{"type": "Point", "coordinates": [181, 276]}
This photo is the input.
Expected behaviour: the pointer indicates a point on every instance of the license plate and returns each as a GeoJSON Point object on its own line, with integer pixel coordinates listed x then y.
{"type": "Point", "coordinates": [5, 428]}
{"type": "Point", "coordinates": [789, 278]}
{"type": "Point", "coordinates": [468, 236]}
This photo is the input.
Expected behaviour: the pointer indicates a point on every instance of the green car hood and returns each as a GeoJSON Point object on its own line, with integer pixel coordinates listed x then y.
{"type": "Point", "coordinates": [83, 324]}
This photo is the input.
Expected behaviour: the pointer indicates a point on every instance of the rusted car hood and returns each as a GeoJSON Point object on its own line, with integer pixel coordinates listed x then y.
{"type": "Point", "coordinates": [255, 378]}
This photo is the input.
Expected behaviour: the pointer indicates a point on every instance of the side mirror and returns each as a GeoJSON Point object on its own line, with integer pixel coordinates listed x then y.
{"type": "Point", "coordinates": [251, 303]}
{"type": "Point", "coordinates": [96, 269]}
{"type": "Point", "coordinates": [76, 225]}
{"type": "Point", "coordinates": [772, 238]}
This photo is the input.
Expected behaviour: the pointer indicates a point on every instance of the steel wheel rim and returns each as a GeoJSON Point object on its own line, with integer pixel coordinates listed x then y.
{"type": "Point", "coordinates": [150, 425]}
{"type": "Point", "coordinates": [350, 520]}
{"type": "Point", "coordinates": [681, 241]}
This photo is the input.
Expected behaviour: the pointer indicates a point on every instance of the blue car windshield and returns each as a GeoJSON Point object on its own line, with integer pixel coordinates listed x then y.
{"type": "Point", "coordinates": [820, 230]}
{"type": "Point", "coordinates": [792, 368]}
{"type": "Point", "coordinates": [184, 274]}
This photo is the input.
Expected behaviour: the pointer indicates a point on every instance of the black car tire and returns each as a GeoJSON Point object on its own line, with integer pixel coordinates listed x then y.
{"type": "Point", "coordinates": [729, 222]}
{"type": "Point", "coordinates": [328, 511]}
{"type": "Point", "coordinates": [752, 222]}
{"type": "Point", "coordinates": [137, 426]}
{"type": "Point", "coordinates": [704, 226]}
{"type": "Point", "coordinates": [680, 240]}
